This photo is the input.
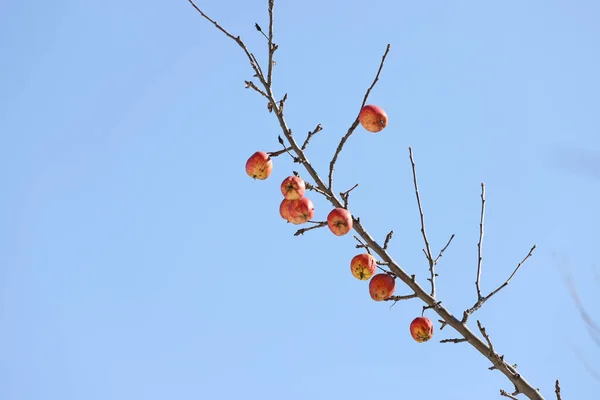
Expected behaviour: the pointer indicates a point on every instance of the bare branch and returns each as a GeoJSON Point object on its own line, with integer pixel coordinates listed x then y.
{"type": "Point", "coordinates": [505, 394]}
{"type": "Point", "coordinates": [479, 244]}
{"type": "Point", "coordinates": [557, 390]}
{"type": "Point", "coordinates": [362, 245]}
{"type": "Point", "coordinates": [356, 121]}
{"type": "Point", "coordinates": [423, 232]}
{"type": "Point", "coordinates": [319, 128]}
{"type": "Point", "coordinates": [251, 85]}
{"type": "Point", "coordinates": [398, 298]}
{"type": "Point", "coordinates": [272, 46]}
{"type": "Point", "coordinates": [443, 250]}
{"type": "Point", "coordinates": [482, 300]}
{"type": "Point", "coordinates": [486, 336]}
{"type": "Point", "coordinates": [345, 195]}
{"type": "Point", "coordinates": [279, 152]}
{"type": "Point", "coordinates": [387, 239]}
{"type": "Point", "coordinates": [461, 340]}
{"type": "Point", "coordinates": [473, 339]}
{"type": "Point", "coordinates": [316, 226]}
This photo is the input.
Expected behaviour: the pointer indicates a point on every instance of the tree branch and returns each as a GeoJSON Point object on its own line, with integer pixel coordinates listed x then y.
{"type": "Point", "coordinates": [423, 232]}
{"type": "Point", "coordinates": [520, 383]}
{"type": "Point", "coordinates": [356, 121]}
{"type": "Point", "coordinates": [482, 299]}
{"type": "Point", "coordinates": [479, 244]}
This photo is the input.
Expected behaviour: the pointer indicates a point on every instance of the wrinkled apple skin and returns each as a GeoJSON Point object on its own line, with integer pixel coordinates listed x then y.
{"type": "Point", "coordinates": [373, 118]}
{"type": "Point", "coordinates": [259, 165]}
{"type": "Point", "coordinates": [284, 210]}
{"type": "Point", "coordinates": [339, 221]}
{"type": "Point", "coordinates": [301, 210]}
{"type": "Point", "coordinates": [421, 329]}
{"type": "Point", "coordinates": [381, 287]}
{"type": "Point", "coordinates": [293, 188]}
{"type": "Point", "coordinates": [363, 266]}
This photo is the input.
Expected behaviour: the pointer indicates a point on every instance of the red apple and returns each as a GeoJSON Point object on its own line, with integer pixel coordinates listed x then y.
{"type": "Point", "coordinates": [381, 287]}
{"type": "Point", "coordinates": [339, 221]}
{"type": "Point", "coordinates": [301, 210]}
{"type": "Point", "coordinates": [421, 329]}
{"type": "Point", "coordinates": [284, 210]}
{"type": "Point", "coordinates": [373, 118]}
{"type": "Point", "coordinates": [363, 266]}
{"type": "Point", "coordinates": [293, 188]}
{"type": "Point", "coordinates": [259, 165]}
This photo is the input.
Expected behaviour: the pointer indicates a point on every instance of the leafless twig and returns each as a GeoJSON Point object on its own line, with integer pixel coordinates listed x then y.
{"type": "Point", "coordinates": [443, 250]}
{"type": "Point", "coordinates": [398, 298]}
{"type": "Point", "coordinates": [482, 299]}
{"type": "Point", "coordinates": [480, 243]}
{"type": "Point", "coordinates": [346, 194]}
{"type": "Point", "coordinates": [251, 85]}
{"type": "Point", "coordinates": [461, 340]}
{"type": "Point", "coordinates": [272, 46]}
{"type": "Point", "coordinates": [316, 226]}
{"type": "Point", "coordinates": [427, 249]}
{"type": "Point", "coordinates": [362, 245]}
{"type": "Point", "coordinates": [387, 239]}
{"type": "Point", "coordinates": [505, 394]}
{"type": "Point", "coordinates": [319, 128]}
{"type": "Point", "coordinates": [356, 121]}
{"type": "Point", "coordinates": [557, 390]}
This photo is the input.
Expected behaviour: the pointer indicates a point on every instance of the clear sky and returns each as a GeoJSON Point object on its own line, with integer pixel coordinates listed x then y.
{"type": "Point", "coordinates": [138, 261]}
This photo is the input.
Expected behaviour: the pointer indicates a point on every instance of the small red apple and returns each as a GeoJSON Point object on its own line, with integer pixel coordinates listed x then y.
{"type": "Point", "coordinates": [363, 266]}
{"type": "Point", "coordinates": [373, 118]}
{"type": "Point", "coordinates": [381, 287]}
{"type": "Point", "coordinates": [339, 221]}
{"type": "Point", "coordinates": [301, 210]}
{"type": "Point", "coordinates": [284, 210]}
{"type": "Point", "coordinates": [421, 329]}
{"type": "Point", "coordinates": [293, 188]}
{"type": "Point", "coordinates": [259, 165]}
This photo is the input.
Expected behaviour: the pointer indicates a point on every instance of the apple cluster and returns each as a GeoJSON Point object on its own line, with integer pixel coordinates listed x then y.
{"type": "Point", "coordinates": [298, 209]}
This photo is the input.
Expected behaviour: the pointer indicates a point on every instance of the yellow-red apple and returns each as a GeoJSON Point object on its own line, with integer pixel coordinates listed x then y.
{"type": "Point", "coordinates": [381, 287]}
{"type": "Point", "coordinates": [259, 165]}
{"type": "Point", "coordinates": [421, 329]}
{"type": "Point", "coordinates": [284, 210]}
{"type": "Point", "coordinates": [293, 188]}
{"type": "Point", "coordinates": [363, 266]}
{"type": "Point", "coordinates": [339, 221]}
{"type": "Point", "coordinates": [373, 118]}
{"type": "Point", "coordinates": [301, 210]}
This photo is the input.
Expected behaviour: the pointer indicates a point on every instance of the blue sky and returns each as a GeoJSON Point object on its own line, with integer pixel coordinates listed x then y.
{"type": "Point", "coordinates": [137, 260]}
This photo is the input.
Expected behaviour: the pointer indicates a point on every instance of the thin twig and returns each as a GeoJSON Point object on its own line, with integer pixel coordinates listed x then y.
{"type": "Point", "coordinates": [316, 226]}
{"type": "Point", "coordinates": [387, 239]}
{"type": "Point", "coordinates": [479, 244]}
{"type": "Point", "coordinates": [482, 299]}
{"type": "Point", "coordinates": [399, 298]}
{"type": "Point", "coordinates": [345, 195]}
{"type": "Point", "coordinates": [272, 46]}
{"type": "Point", "coordinates": [319, 128]}
{"type": "Point", "coordinates": [279, 152]}
{"type": "Point", "coordinates": [461, 340]}
{"type": "Point", "coordinates": [318, 190]}
{"type": "Point", "coordinates": [423, 232]}
{"type": "Point", "coordinates": [443, 250]}
{"type": "Point", "coordinates": [505, 394]}
{"type": "Point", "coordinates": [362, 245]}
{"type": "Point", "coordinates": [258, 28]}
{"type": "Point", "coordinates": [251, 85]}
{"type": "Point", "coordinates": [557, 390]}
{"type": "Point", "coordinates": [356, 121]}
{"type": "Point", "coordinates": [486, 336]}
